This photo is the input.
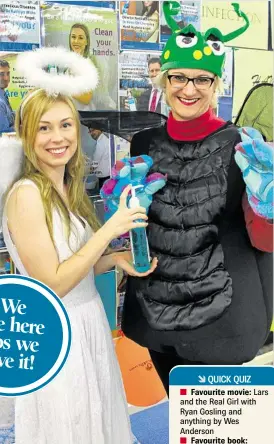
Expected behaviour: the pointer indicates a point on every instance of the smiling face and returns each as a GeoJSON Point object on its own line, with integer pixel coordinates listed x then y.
{"type": "Point", "coordinates": [78, 40]}
{"type": "Point", "coordinates": [188, 102]}
{"type": "Point", "coordinates": [56, 138]}
{"type": "Point", "coordinates": [153, 70]}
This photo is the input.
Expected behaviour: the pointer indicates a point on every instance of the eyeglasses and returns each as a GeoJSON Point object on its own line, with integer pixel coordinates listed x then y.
{"type": "Point", "coordinates": [200, 83]}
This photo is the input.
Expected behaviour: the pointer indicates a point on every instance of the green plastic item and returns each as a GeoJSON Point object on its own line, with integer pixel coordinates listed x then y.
{"type": "Point", "coordinates": [189, 48]}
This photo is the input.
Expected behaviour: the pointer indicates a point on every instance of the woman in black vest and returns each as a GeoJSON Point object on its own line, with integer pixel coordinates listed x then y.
{"type": "Point", "coordinates": [209, 301]}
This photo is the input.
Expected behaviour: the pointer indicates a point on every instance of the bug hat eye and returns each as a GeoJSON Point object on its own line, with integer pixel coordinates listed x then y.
{"type": "Point", "coordinates": [186, 40]}
{"type": "Point", "coordinates": [218, 48]}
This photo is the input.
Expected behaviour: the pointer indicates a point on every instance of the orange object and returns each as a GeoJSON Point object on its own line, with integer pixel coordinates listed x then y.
{"type": "Point", "coordinates": [142, 384]}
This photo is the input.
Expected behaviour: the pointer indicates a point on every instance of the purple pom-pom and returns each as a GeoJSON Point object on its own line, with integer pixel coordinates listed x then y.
{"type": "Point", "coordinates": [108, 186]}
{"type": "Point", "coordinates": [155, 176]}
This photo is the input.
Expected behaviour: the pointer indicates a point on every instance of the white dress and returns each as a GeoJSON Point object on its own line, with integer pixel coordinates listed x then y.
{"type": "Point", "coordinates": [85, 403]}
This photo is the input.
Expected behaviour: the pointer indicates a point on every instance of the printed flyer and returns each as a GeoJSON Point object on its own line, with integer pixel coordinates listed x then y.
{"type": "Point", "coordinates": [137, 74]}
{"type": "Point", "coordinates": [19, 25]}
{"type": "Point", "coordinates": [139, 25]}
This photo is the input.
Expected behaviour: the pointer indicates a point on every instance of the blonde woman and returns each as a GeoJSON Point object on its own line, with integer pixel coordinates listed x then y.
{"type": "Point", "coordinates": [80, 42]}
{"type": "Point", "coordinates": [151, 12]}
{"type": "Point", "coordinates": [52, 235]}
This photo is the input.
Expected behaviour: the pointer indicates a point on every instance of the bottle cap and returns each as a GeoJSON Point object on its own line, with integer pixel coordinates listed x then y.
{"type": "Point", "coordinates": [134, 201]}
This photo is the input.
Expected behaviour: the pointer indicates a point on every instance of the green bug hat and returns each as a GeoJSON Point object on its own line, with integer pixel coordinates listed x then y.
{"type": "Point", "coordinates": [189, 48]}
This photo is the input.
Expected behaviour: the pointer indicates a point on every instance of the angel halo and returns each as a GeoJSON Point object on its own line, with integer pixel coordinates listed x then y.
{"type": "Point", "coordinates": [82, 75]}
{"type": "Point", "coordinates": [71, 75]}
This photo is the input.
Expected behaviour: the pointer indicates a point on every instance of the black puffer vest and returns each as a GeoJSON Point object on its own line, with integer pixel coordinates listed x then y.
{"type": "Point", "coordinates": [190, 221]}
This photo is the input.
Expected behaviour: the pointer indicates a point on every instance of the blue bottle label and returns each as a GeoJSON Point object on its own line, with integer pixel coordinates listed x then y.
{"type": "Point", "coordinates": [140, 249]}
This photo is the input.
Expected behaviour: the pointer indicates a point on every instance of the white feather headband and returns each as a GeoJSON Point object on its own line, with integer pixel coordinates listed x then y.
{"type": "Point", "coordinates": [80, 76]}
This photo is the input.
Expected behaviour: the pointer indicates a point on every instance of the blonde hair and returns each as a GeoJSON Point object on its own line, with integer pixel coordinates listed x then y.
{"type": "Point", "coordinates": [26, 125]}
{"type": "Point", "coordinates": [161, 79]}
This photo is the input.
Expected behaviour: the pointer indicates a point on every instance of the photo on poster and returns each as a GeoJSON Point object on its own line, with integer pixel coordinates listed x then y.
{"type": "Point", "coordinates": [190, 13]}
{"type": "Point", "coordinates": [13, 89]}
{"type": "Point", "coordinates": [92, 33]}
{"type": "Point", "coordinates": [139, 25]}
{"type": "Point", "coordinates": [19, 25]}
{"type": "Point", "coordinates": [137, 88]}
{"type": "Point", "coordinates": [17, 86]}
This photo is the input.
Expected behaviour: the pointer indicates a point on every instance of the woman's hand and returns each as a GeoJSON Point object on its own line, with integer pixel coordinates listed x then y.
{"type": "Point", "coordinates": [124, 261]}
{"type": "Point", "coordinates": [125, 218]}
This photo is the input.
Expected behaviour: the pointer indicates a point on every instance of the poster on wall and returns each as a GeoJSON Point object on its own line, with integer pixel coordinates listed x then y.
{"type": "Point", "coordinates": [19, 25]}
{"type": "Point", "coordinates": [190, 13]}
{"type": "Point", "coordinates": [17, 86]}
{"type": "Point", "coordinates": [139, 25]}
{"type": "Point", "coordinates": [223, 14]}
{"type": "Point", "coordinates": [248, 74]}
{"type": "Point", "coordinates": [91, 32]}
{"type": "Point", "coordinates": [137, 88]}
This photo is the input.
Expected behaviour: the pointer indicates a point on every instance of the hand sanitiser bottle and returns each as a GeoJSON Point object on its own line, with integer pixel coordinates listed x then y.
{"type": "Point", "coordinates": [138, 239]}
{"type": "Point", "coordinates": [52, 69]}
{"type": "Point", "coordinates": [131, 102]}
